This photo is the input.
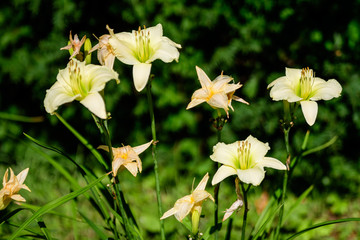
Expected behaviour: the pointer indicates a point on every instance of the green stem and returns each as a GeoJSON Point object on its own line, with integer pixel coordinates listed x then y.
{"type": "Point", "coordinates": [285, 182]}
{"type": "Point", "coordinates": [246, 209]}
{"type": "Point", "coordinates": [157, 181]}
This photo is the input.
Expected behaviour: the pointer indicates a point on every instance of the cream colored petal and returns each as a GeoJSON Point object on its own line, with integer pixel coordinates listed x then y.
{"type": "Point", "coordinates": [18, 197]}
{"type": "Point", "coordinates": [276, 81]}
{"type": "Point", "coordinates": [220, 84]}
{"type": "Point", "coordinates": [202, 183]}
{"type": "Point", "coordinates": [142, 148]}
{"type": "Point", "coordinates": [6, 176]}
{"type": "Point", "coordinates": [194, 102]}
{"type": "Point", "coordinates": [219, 100]}
{"type": "Point", "coordinates": [252, 176]}
{"type": "Point", "coordinates": [57, 96]}
{"type": "Point", "coordinates": [238, 99]}
{"type": "Point", "coordinates": [141, 73]}
{"type": "Point", "coordinates": [23, 186]}
{"type": "Point", "coordinates": [95, 103]}
{"type": "Point", "coordinates": [293, 74]}
{"type": "Point", "coordinates": [123, 45]}
{"type": "Point", "coordinates": [166, 52]}
{"type": "Point", "coordinates": [258, 149]}
{"type": "Point", "coordinates": [273, 163]}
{"type": "Point", "coordinates": [203, 78]}
{"type": "Point", "coordinates": [225, 154]}
{"type": "Point", "coordinates": [116, 164]}
{"type": "Point", "coordinates": [234, 207]}
{"type": "Point", "coordinates": [283, 90]}
{"type": "Point", "coordinates": [22, 175]}
{"type": "Point", "coordinates": [309, 109]}
{"type": "Point", "coordinates": [326, 90]}
{"type": "Point", "coordinates": [201, 195]}
{"type": "Point", "coordinates": [168, 213]}
{"type": "Point", "coordinates": [198, 97]}
{"type": "Point", "coordinates": [132, 167]}
{"type": "Point", "coordinates": [231, 87]}
{"type": "Point", "coordinates": [222, 173]}
{"type": "Point", "coordinates": [95, 77]}
{"type": "Point", "coordinates": [183, 206]}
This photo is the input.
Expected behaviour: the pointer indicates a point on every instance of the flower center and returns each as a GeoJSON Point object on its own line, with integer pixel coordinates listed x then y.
{"type": "Point", "coordinates": [76, 84]}
{"type": "Point", "coordinates": [142, 49]}
{"type": "Point", "coordinates": [306, 83]}
{"type": "Point", "coordinates": [243, 155]}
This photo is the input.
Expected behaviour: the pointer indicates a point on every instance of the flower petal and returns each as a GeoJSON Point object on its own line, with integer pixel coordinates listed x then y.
{"type": "Point", "coordinates": [203, 78]}
{"type": "Point", "coordinates": [202, 183]}
{"type": "Point", "coordinates": [132, 167]}
{"type": "Point", "coordinates": [95, 103]}
{"type": "Point", "coordinates": [293, 74]}
{"type": "Point", "coordinates": [183, 206]}
{"type": "Point", "coordinates": [258, 149]}
{"type": "Point", "coordinates": [141, 73]}
{"type": "Point", "coordinates": [18, 197]}
{"type": "Point", "coordinates": [168, 213]}
{"type": "Point", "coordinates": [222, 173]}
{"type": "Point", "coordinates": [22, 175]}
{"type": "Point", "coordinates": [326, 90]}
{"type": "Point", "coordinates": [167, 51]}
{"type": "Point", "coordinates": [141, 148]}
{"type": "Point", "coordinates": [273, 163]}
{"type": "Point", "coordinates": [219, 100]}
{"type": "Point", "coordinates": [57, 96]}
{"type": "Point", "coordinates": [201, 195]}
{"type": "Point", "coordinates": [225, 154]}
{"type": "Point", "coordinates": [252, 176]}
{"type": "Point", "coordinates": [97, 76]}
{"type": "Point", "coordinates": [309, 109]}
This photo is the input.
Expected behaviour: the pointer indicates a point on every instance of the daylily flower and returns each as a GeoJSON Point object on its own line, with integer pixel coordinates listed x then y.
{"type": "Point", "coordinates": [301, 85]}
{"type": "Point", "coordinates": [12, 186]}
{"type": "Point", "coordinates": [218, 93]}
{"type": "Point", "coordinates": [140, 48]}
{"type": "Point", "coordinates": [105, 52]}
{"type": "Point", "coordinates": [127, 157]}
{"type": "Point", "coordinates": [233, 208]}
{"type": "Point", "coordinates": [246, 159]}
{"type": "Point", "coordinates": [190, 203]}
{"type": "Point", "coordinates": [75, 44]}
{"type": "Point", "coordinates": [82, 83]}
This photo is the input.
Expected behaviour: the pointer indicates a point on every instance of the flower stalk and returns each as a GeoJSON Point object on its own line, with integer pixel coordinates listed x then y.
{"type": "Point", "coordinates": [246, 209]}
{"type": "Point", "coordinates": [157, 181]}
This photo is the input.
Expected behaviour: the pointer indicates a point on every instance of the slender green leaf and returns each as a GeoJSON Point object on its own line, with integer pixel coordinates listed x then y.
{"type": "Point", "coordinates": [20, 118]}
{"type": "Point", "coordinates": [321, 147]}
{"type": "Point", "coordinates": [55, 203]}
{"type": "Point", "coordinates": [298, 201]}
{"type": "Point", "coordinates": [84, 141]}
{"type": "Point", "coordinates": [269, 219]}
{"type": "Point", "coordinates": [96, 229]}
{"type": "Point", "coordinates": [43, 228]}
{"type": "Point", "coordinates": [7, 216]}
{"type": "Point", "coordinates": [264, 214]}
{"type": "Point", "coordinates": [323, 224]}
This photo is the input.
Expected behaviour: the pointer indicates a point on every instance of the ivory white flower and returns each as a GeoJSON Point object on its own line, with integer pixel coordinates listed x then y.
{"type": "Point", "coordinates": [127, 157]}
{"type": "Point", "coordinates": [75, 44]}
{"type": "Point", "coordinates": [12, 186]}
{"type": "Point", "coordinates": [82, 83]}
{"type": "Point", "coordinates": [140, 48]}
{"type": "Point", "coordinates": [190, 203]}
{"type": "Point", "coordinates": [105, 52]}
{"type": "Point", "coordinates": [218, 93]}
{"type": "Point", "coordinates": [246, 159]}
{"type": "Point", "coordinates": [301, 85]}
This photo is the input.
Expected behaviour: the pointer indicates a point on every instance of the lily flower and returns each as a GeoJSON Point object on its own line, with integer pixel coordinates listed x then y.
{"type": "Point", "coordinates": [75, 44]}
{"type": "Point", "coordinates": [127, 157]}
{"type": "Point", "coordinates": [301, 85]}
{"type": "Point", "coordinates": [82, 83]}
{"type": "Point", "coordinates": [218, 93]}
{"type": "Point", "coordinates": [233, 208]}
{"type": "Point", "coordinates": [12, 186]}
{"type": "Point", "coordinates": [105, 52]}
{"type": "Point", "coordinates": [190, 203]}
{"type": "Point", "coordinates": [140, 48]}
{"type": "Point", "coordinates": [246, 159]}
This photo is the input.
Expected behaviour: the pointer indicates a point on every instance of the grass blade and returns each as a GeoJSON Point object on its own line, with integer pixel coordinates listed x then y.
{"type": "Point", "coordinates": [322, 225]}
{"type": "Point", "coordinates": [55, 203]}
{"type": "Point", "coordinates": [96, 229]}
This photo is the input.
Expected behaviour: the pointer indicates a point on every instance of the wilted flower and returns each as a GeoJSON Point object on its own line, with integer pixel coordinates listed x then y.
{"type": "Point", "coordinates": [218, 93]}
{"type": "Point", "coordinates": [246, 159]}
{"type": "Point", "coordinates": [82, 83]}
{"type": "Point", "coordinates": [140, 48]}
{"type": "Point", "coordinates": [12, 187]}
{"type": "Point", "coordinates": [105, 52]}
{"type": "Point", "coordinates": [127, 157]}
{"type": "Point", "coordinates": [301, 85]}
{"type": "Point", "coordinates": [75, 44]}
{"type": "Point", "coordinates": [190, 203]}
{"type": "Point", "coordinates": [233, 208]}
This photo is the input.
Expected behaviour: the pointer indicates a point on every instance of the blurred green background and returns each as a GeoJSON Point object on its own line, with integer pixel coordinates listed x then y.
{"type": "Point", "coordinates": [253, 41]}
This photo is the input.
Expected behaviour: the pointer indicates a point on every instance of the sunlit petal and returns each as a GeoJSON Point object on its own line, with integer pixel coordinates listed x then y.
{"type": "Point", "coordinates": [309, 109]}
{"type": "Point", "coordinates": [222, 173]}
{"type": "Point", "coordinates": [141, 73]}
{"type": "Point", "coordinates": [95, 103]}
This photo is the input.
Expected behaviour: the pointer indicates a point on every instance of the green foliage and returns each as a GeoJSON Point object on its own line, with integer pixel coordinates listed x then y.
{"type": "Point", "coordinates": [253, 41]}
